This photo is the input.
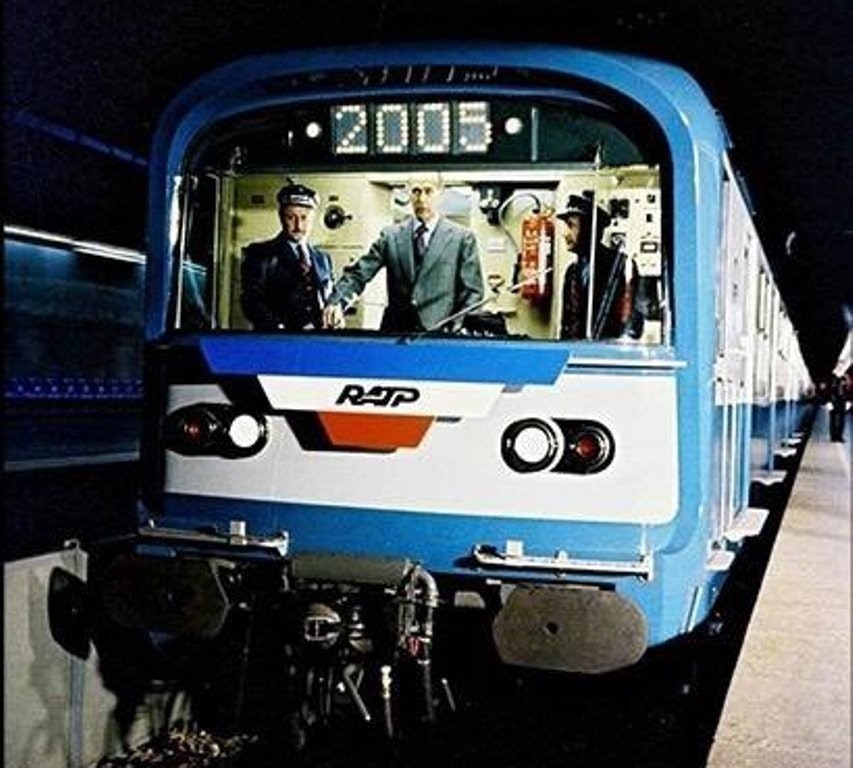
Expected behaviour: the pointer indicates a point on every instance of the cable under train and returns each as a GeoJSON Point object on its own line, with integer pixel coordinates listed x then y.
{"type": "Point", "coordinates": [344, 493]}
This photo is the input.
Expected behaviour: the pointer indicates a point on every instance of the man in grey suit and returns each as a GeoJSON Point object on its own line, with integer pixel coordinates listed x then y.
{"type": "Point", "coordinates": [432, 269]}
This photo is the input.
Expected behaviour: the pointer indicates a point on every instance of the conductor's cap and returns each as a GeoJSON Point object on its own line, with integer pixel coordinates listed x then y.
{"type": "Point", "coordinates": [580, 205]}
{"type": "Point", "coordinates": [297, 194]}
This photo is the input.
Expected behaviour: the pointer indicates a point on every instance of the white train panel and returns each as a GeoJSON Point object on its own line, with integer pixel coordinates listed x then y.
{"type": "Point", "coordinates": [458, 468]}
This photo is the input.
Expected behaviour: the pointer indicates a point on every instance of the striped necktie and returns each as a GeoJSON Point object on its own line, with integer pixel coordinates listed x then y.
{"type": "Point", "coordinates": [304, 258]}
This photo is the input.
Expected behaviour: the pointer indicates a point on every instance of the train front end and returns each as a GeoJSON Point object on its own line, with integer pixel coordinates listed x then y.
{"type": "Point", "coordinates": [350, 488]}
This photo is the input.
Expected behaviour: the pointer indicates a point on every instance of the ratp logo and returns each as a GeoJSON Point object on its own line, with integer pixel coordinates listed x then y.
{"type": "Point", "coordinates": [379, 396]}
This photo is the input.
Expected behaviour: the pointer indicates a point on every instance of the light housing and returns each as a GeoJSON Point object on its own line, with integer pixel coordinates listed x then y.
{"type": "Point", "coordinates": [215, 429]}
{"type": "Point", "coordinates": [557, 445]}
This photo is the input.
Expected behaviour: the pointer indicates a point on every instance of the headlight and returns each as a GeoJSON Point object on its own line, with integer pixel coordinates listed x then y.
{"type": "Point", "coordinates": [530, 445]}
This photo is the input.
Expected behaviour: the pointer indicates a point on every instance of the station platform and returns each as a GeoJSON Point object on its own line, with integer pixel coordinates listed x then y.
{"type": "Point", "coordinates": [788, 704]}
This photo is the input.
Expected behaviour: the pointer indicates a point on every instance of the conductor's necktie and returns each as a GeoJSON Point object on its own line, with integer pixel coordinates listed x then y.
{"type": "Point", "coordinates": [304, 258]}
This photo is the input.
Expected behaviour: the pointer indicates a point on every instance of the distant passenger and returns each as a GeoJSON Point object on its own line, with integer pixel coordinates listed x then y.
{"type": "Point", "coordinates": [612, 309]}
{"type": "Point", "coordinates": [286, 282]}
{"type": "Point", "coordinates": [432, 268]}
{"type": "Point", "coordinates": [840, 394]}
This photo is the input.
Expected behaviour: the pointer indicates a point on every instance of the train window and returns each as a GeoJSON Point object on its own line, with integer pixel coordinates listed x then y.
{"type": "Point", "coordinates": [199, 227]}
{"type": "Point", "coordinates": [553, 222]}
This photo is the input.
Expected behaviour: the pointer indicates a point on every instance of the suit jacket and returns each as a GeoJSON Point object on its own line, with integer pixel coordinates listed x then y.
{"type": "Point", "coordinates": [449, 279]}
{"type": "Point", "coordinates": [275, 291]}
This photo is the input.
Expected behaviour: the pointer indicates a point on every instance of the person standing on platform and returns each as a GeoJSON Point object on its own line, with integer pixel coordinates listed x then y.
{"type": "Point", "coordinates": [286, 281]}
{"type": "Point", "coordinates": [838, 390]}
{"type": "Point", "coordinates": [840, 394]}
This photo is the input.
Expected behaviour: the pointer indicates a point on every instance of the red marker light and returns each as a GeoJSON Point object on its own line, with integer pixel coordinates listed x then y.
{"type": "Point", "coordinates": [592, 447]}
{"type": "Point", "coordinates": [193, 431]}
{"type": "Point", "coordinates": [589, 446]}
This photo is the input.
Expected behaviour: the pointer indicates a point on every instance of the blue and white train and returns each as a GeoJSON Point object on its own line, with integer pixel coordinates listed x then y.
{"type": "Point", "coordinates": [354, 489]}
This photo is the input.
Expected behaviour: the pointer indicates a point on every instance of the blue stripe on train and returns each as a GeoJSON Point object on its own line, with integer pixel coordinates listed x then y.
{"type": "Point", "coordinates": [514, 363]}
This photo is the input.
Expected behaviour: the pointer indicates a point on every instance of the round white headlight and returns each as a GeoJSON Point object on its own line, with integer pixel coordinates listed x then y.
{"type": "Point", "coordinates": [245, 431]}
{"type": "Point", "coordinates": [533, 445]}
{"type": "Point", "coordinates": [530, 445]}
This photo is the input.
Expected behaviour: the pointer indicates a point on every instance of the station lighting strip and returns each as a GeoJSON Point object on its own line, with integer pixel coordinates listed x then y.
{"type": "Point", "coordinates": [83, 247]}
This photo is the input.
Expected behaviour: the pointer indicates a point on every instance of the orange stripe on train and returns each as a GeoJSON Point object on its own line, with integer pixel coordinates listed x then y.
{"type": "Point", "coordinates": [374, 432]}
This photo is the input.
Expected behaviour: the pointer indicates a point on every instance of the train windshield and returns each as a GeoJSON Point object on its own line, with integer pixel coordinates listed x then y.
{"type": "Point", "coordinates": [544, 219]}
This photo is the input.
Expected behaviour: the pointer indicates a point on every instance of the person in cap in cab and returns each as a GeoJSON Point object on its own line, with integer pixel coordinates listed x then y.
{"type": "Point", "coordinates": [613, 295]}
{"type": "Point", "coordinates": [286, 281]}
{"type": "Point", "coordinates": [432, 267]}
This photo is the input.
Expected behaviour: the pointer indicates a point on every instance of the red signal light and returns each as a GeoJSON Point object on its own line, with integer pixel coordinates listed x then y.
{"type": "Point", "coordinates": [588, 447]}
{"type": "Point", "coordinates": [193, 431]}
{"type": "Point", "coordinates": [592, 447]}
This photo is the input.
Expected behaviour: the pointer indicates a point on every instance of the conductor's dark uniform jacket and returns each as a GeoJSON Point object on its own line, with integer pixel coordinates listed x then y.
{"type": "Point", "coordinates": [282, 289]}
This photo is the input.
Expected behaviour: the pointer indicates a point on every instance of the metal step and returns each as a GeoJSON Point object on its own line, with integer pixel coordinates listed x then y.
{"type": "Point", "coordinates": [769, 476]}
{"type": "Point", "coordinates": [720, 560]}
{"type": "Point", "coordinates": [748, 523]}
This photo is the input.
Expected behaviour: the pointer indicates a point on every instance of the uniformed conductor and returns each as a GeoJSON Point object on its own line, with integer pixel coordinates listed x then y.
{"type": "Point", "coordinates": [286, 282]}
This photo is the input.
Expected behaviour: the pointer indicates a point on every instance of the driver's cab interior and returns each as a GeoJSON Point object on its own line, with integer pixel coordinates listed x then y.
{"type": "Point", "coordinates": [507, 185]}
